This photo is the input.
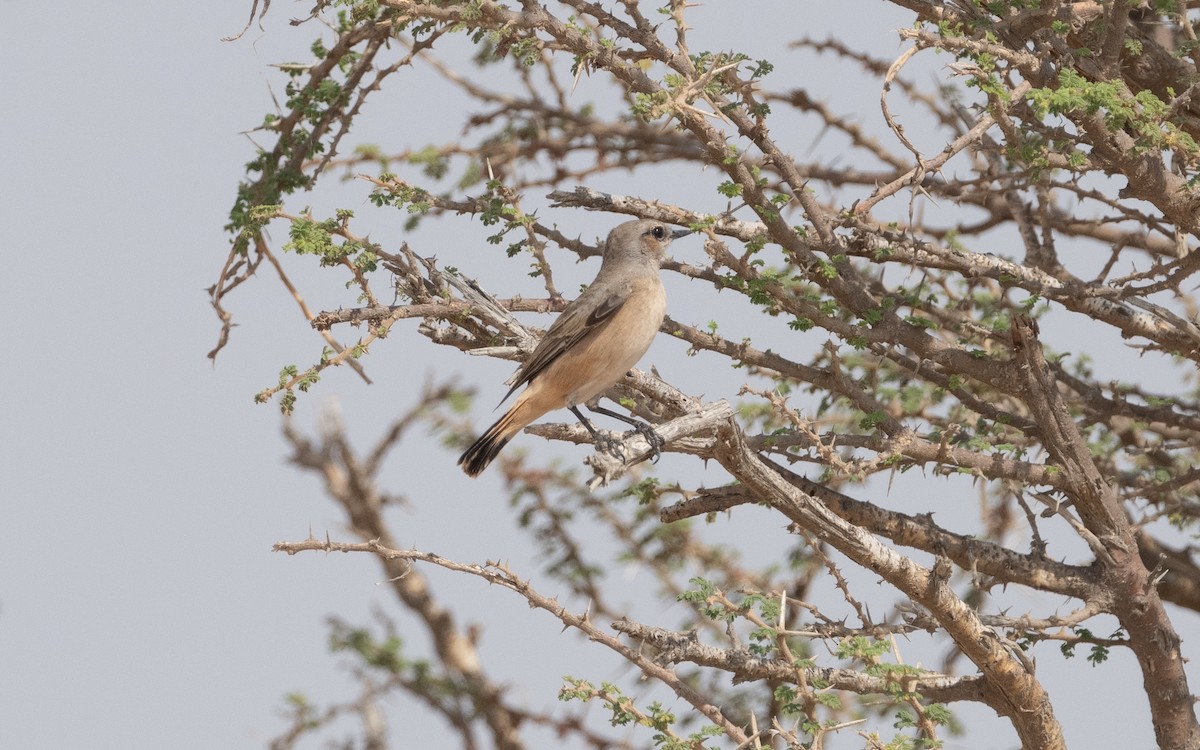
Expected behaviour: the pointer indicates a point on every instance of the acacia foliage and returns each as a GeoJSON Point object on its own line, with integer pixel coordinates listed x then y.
{"type": "Point", "coordinates": [1062, 188]}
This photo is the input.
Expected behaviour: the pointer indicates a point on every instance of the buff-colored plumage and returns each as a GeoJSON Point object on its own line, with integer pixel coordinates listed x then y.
{"type": "Point", "coordinates": [594, 342]}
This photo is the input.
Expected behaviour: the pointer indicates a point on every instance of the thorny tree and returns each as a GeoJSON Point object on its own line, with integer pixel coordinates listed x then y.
{"type": "Point", "coordinates": [1063, 187]}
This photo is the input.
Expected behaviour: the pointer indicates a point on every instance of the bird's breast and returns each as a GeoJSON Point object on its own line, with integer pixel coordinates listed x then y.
{"type": "Point", "coordinates": [599, 362]}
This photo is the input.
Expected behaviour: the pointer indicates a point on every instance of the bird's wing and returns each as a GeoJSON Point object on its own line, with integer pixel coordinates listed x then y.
{"type": "Point", "coordinates": [574, 324]}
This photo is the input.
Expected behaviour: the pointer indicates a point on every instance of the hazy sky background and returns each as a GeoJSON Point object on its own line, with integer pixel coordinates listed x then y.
{"type": "Point", "coordinates": [140, 604]}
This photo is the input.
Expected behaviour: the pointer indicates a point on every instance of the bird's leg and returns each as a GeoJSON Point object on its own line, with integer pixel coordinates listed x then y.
{"type": "Point", "coordinates": [602, 442]}
{"type": "Point", "coordinates": [653, 438]}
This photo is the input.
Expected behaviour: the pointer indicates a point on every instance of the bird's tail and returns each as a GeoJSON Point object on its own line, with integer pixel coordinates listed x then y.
{"type": "Point", "coordinates": [484, 450]}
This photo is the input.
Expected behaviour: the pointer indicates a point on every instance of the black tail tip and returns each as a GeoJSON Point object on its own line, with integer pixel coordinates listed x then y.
{"type": "Point", "coordinates": [481, 453]}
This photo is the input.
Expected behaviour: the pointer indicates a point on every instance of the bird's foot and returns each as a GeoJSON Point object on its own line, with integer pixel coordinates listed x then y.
{"type": "Point", "coordinates": [653, 438]}
{"type": "Point", "coordinates": [610, 445]}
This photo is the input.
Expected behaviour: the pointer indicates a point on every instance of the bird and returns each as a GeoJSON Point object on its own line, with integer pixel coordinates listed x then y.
{"type": "Point", "coordinates": [592, 344]}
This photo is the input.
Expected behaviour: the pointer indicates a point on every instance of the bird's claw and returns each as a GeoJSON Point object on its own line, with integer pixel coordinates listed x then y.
{"type": "Point", "coordinates": [609, 445]}
{"type": "Point", "coordinates": [653, 438]}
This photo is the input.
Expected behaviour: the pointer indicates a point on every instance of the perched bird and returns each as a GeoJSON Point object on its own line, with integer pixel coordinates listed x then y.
{"type": "Point", "coordinates": [592, 344]}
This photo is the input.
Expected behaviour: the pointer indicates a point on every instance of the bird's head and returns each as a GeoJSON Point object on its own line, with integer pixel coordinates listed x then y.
{"type": "Point", "coordinates": [643, 238]}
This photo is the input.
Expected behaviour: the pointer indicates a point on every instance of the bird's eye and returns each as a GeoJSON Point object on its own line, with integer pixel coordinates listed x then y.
{"type": "Point", "coordinates": [659, 233]}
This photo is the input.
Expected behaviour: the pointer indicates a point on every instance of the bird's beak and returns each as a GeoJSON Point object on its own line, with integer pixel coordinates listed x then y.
{"type": "Point", "coordinates": [681, 233]}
